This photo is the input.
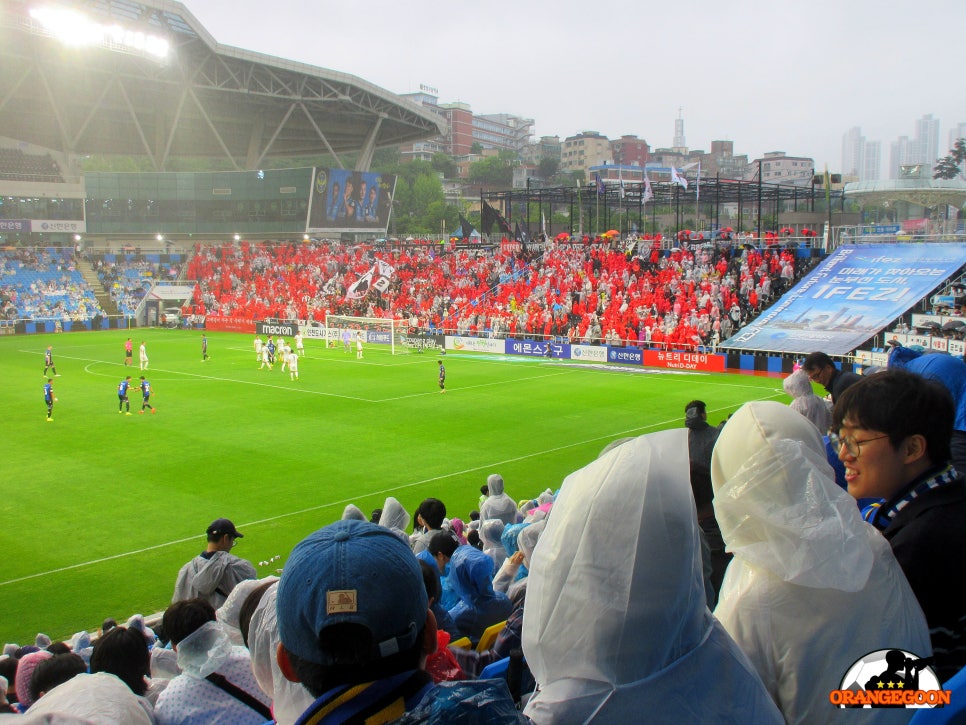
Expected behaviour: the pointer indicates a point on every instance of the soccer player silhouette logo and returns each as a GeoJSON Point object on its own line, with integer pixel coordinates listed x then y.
{"type": "Point", "coordinates": [901, 673]}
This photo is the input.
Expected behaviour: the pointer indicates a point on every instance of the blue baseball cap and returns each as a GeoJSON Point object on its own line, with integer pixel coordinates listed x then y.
{"type": "Point", "coordinates": [356, 572]}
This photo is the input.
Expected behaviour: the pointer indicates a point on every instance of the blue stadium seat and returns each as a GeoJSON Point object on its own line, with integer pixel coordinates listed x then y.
{"type": "Point", "coordinates": [495, 670]}
{"type": "Point", "coordinates": [955, 712]}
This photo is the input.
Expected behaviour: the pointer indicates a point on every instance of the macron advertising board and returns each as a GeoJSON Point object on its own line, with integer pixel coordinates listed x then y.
{"type": "Point", "coordinates": [850, 297]}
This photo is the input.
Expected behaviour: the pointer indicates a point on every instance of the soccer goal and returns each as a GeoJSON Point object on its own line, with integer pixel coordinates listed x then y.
{"type": "Point", "coordinates": [375, 331]}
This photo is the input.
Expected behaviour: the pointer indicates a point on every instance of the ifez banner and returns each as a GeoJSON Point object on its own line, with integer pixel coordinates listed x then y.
{"type": "Point", "coordinates": [858, 291]}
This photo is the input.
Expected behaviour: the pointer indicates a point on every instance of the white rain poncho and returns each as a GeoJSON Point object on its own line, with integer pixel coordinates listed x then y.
{"type": "Point", "coordinates": [812, 587]}
{"type": "Point", "coordinates": [806, 402]}
{"type": "Point", "coordinates": [290, 699]}
{"type": "Point", "coordinates": [98, 698]}
{"type": "Point", "coordinates": [615, 626]}
{"type": "Point", "coordinates": [396, 518]}
{"type": "Point", "coordinates": [351, 511]}
{"type": "Point", "coordinates": [229, 613]}
{"type": "Point", "coordinates": [491, 532]}
{"type": "Point", "coordinates": [498, 505]}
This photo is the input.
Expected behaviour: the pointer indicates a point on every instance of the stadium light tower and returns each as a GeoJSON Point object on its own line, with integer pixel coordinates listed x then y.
{"type": "Point", "coordinates": [74, 28]}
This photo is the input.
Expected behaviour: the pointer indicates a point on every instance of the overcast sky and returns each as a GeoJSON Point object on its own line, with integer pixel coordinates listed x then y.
{"type": "Point", "coordinates": [770, 75]}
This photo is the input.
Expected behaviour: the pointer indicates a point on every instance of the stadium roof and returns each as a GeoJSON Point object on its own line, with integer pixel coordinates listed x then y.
{"type": "Point", "coordinates": [203, 99]}
{"type": "Point", "coordinates": [925, 192]}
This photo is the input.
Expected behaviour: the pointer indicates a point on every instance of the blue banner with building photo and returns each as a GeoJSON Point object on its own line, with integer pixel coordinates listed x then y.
{"type": "Point", "coordinates": [854, 294]}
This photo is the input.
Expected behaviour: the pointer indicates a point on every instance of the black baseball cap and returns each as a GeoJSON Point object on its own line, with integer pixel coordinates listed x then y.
{"type": "Point", "coordinates": [220, 527]}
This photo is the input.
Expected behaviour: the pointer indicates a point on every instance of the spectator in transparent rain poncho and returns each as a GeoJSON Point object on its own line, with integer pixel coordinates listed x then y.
{"type": "Point", "coordinates": [806, 402]}
{"type": "Point", "coordinates": [216, 684]}
{"type": "Point", "coordinates": [471, 576]}
{"type": "Point", "coordinates": [491, 532]}
{"type": "Point", "coordinates": [84, 699]}
{"type": "Point", "coordinates": [289, 699]}
{"type": "Point", "coordinates": [353, 512]}
{"type": "Point", "coordinates": [511, 543]}
{"type": "Point", "coordinates": [812, 588]}
{"type": "Point", "coordinates": [515, 565]}
{"type": "Point", "coordinates": [615, 622]}
{"type": "Point", "coordinates": [395, 518]}
{"type": "Point", "coordinates": [509, 638]}
{"type": "Point", "coordinates": [497, 505]}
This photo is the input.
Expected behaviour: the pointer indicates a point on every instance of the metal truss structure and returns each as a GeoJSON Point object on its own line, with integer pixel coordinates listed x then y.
{"type": "Point", "coordinates": [203, 100]}
{"type": "Point", "coordinates": [629, 198]}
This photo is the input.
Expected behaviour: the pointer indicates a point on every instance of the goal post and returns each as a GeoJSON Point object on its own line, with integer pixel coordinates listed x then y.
{"type": "Point", "coordinates": [375, 330]}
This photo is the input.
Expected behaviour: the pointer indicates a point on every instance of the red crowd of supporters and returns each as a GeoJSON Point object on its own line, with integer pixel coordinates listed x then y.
{"type": "Point", "coordinates": [679, 297]}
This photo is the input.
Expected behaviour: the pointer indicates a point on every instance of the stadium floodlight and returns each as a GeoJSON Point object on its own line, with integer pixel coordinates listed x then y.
{"type": "Point", "coordinates": [73, 28]}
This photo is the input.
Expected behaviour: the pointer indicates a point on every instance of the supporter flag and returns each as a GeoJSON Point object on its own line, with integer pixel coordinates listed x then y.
{"type": "Point", "coordinates": [677, 177]}
{"type": "Point", "coordinates": [384, 272]}
{"type": "Point", "coordinates": [466, 229]}
{"type": "Point", "coordinates": [620, 180]}
{"type": "Point", "coordinates": [543, 224]}
{"type": "Point", "coordinates": [360, 288]}
{"type": "Point", "coordinates": [489, 217]}
{"type": "Point", "coordinates": [697, 185]}
{"type": "Point", "coordinates": [600, 184]}
{"type": "Point", "coordinates": [648, 191]}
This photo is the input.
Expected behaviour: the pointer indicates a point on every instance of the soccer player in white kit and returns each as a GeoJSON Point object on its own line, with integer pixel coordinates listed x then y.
{"type": "Point", "coordinates": [258, 347]}
{"type": "Point", "coordinates": [359, 345]}
{"type": "Point", "coordinates": [299, 347]}
{"type": "Point", "coordinates": [143, 356]}
{"type": "Point", "coordinates": [293, 365]}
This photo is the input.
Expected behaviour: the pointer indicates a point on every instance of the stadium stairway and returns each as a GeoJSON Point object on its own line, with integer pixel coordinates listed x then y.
{"type": "Point", "coordinates": [102, 295]}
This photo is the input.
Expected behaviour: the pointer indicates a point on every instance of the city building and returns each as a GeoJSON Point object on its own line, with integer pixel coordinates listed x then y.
{"type": "Point", "coordinates": [428, 98]}
{"type": "Point", "coordinates": [466, 130]}
{"type": "Point", "coordinates": [779, 168]}
{"type": "Point", "coordinates": [923, 148]}
{"type": "Point", "coordinates": [723, 163]}
{"type": "Point", "coordinates": [861, 158]}
{"type": "Point", "coordinates": [586, 149]}
{"type": "Point", "coordinates": [548, 147]}
{"type": "Point", "coordinates": [957, 132]}
{"type": "Point", "coordinates": [629, 150]}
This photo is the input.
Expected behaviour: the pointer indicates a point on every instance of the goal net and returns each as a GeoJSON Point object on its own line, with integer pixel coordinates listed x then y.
{"type": "Point", "coordinates": [343, 329]}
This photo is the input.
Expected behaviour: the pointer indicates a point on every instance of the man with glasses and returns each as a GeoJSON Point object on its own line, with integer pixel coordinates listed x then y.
{"type": "Point", "coordinates": [820, 369]}
{"type": "Point", "coordinates": [892, 432]}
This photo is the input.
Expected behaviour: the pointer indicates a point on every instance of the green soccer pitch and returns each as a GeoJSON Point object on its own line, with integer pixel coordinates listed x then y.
{"type": "Point", "coordinates": [100, 509]}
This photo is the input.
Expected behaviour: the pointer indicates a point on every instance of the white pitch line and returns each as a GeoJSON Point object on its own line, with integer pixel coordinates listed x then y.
{"type": "Point", "coordinates": [481, 385]}
{"type": "Point", "coordinates": [335, 504]}
{"type": "Point", "coordinates": [151, 371]}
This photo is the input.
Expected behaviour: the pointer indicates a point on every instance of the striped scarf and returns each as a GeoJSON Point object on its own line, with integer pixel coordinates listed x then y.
{"type": "Point", "coordinates": [371, 703]}
{"type": "Point", "coordinates": [881, 514]}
